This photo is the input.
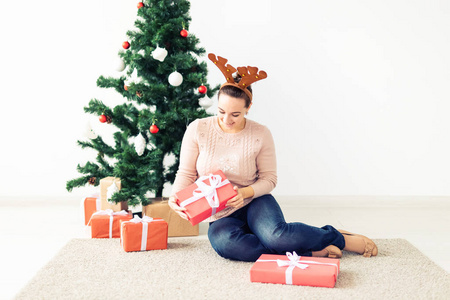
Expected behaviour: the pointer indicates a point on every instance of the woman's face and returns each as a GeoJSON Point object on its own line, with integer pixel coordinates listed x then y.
{"type": "Point", "coordinates": [231, 113]}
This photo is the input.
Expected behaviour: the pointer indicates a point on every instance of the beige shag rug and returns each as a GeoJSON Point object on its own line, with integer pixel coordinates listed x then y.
{"type": "Point", "coordinates": [190, 269]}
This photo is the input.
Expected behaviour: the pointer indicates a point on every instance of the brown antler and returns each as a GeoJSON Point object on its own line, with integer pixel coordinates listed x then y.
{"type": "Point", "coordinates": [227, 70]}
{"type": "Point", "coordinates": [250, 75]}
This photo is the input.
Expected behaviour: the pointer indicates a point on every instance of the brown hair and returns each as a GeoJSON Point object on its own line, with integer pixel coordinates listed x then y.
{"type": "Point", "coordinates": [236, 92]}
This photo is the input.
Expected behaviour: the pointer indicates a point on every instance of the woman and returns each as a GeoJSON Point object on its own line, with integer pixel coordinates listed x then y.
{"type": "Point", "coordinates": [252, 223]}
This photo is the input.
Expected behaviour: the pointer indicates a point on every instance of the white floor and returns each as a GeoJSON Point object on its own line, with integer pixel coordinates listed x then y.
{"type": "Point", "coordinates": [33, 230]}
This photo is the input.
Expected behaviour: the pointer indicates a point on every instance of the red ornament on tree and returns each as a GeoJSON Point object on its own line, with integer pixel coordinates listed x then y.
{"type": "Point", "coordinates": [102, 118]}
{"type": "Point", "coordinates": [202, 89]}
{"type": "Point", "coordinates": [154, 129]}
{"type": "Point", "coordinates": [140, 5]}
{"type": "Point", "coordinates": [184, 33]}
{"type": "Point", "coordinates": [125, 45]}
{"type": "Point", "coordinates": [125, 87]}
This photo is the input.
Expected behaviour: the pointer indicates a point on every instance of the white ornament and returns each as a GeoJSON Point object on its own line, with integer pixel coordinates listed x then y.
{"type": "Point", "coordinates": [111, 190]}
{"type": "Point", "coordinates": [159, 54]}
{"type": "Point", "coordinates": [139, 144]}
{"type": "Point", "coordinates": [205, 102]}
{"type": "Point", "coordinates": [119, 65]}
{"type": "Point", "coordinates": [175, 79]}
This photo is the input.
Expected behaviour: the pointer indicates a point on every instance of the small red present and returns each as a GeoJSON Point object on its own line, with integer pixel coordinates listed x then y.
{"type": "Point", "coordinates": [207, 196]}
{"type": "Point", "coordinates": [294, 269]}
{"type": "Point", "coordinates": [106, 223]}
{"type": "Point", "coordinates": [143, 234]}
{"type": "Point", "coordinates": [90, 206]}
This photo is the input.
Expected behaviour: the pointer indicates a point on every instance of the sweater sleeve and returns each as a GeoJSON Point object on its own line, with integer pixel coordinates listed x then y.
{"type": "Point", "coordinates": [187, 170]}
{"type": "Point", "coordinates": [266, 164]}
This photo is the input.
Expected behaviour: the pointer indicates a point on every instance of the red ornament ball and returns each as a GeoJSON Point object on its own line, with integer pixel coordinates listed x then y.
{"type": "Point", "coordinates": [125, 45]}
{"type": "Point", "coordinates": [202, 89]}
{"type": "Point", "coordinates": [154, 129]}
{"type": "Point", "coordinates": [184, 33]}
{"type": "Point", "coordinates": [140, 5]}
{"type": "Point", "coordinates": [125, 87]}
{"type": "Point", "coordinates": [102, 118]}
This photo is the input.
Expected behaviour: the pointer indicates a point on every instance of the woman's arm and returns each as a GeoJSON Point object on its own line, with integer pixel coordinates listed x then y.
{"type": "Point", "coordinates": [266, 164]}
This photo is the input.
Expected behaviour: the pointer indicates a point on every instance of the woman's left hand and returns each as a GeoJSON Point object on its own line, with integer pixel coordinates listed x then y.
{"type": "Point", "coordinates": [237, 201]}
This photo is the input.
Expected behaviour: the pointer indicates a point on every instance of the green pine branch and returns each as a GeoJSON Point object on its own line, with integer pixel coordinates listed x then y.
{"type": "Point", "coordinates": [110, 82]}
{"type": "Point", "coordinates": [99, 145]}
{"type": "Point", "coordinates": [97, 107]}
{"type": "Point", "coordinates": [77, 182]}
{"type": "Point", "coordinates": [104, 165]}
{"type": "Point", "coordinates": [91, 170]}
{"type": "Point", "coordinates": [124, 117]}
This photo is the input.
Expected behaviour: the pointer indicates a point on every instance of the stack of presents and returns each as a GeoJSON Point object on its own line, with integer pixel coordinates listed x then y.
{"type": "Point", "coordinates": [208, 195]}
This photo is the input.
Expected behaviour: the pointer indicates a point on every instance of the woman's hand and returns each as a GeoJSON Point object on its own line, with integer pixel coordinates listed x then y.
{"type": "Point", "coordinates": [237, 201]}
{"type": "Point", "coordinates": [179, 210]}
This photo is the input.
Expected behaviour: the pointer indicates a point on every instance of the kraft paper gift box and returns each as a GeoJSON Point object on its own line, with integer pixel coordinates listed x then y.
{"type": "Point", "coordinates": [294, 269]}
{"type": "Point", "coordinates": [177, 225]}
{"type": "Point", "coordinates": [207, 196]}
{"type": "Point", "coordinates": [106, 223]}
{"type": "Point", "coordinates": [143, 234]}
{"type": "Point", "coordinates": [90, 206]}
{"type": "Point", "coordinates": [106, 184]}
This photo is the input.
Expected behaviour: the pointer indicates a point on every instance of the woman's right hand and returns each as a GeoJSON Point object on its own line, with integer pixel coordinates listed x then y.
{"type": "Point", "coordinates": [179, 210]}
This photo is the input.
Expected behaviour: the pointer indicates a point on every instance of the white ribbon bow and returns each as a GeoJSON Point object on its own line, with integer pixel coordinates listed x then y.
{"type": "Point", "coordinates": [294, 262]}
{"type": "Point", "coordinates": [144, 220]}
{"type": "Point", "coordinates": [291, 264]}
{"type": "Point", "coordinates": [111, 214]}
{"type": "Point", "coordinates": [207, 191]}
{"type": "Point", "coordinates": [137, 219]}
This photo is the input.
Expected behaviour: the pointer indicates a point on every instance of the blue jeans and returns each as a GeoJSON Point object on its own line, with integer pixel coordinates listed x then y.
{"type": "Point", "coordinates": [259, 228]}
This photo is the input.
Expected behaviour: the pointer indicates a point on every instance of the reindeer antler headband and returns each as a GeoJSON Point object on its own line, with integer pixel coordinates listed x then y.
{"type": "Point", "coordinates": [249, 74]}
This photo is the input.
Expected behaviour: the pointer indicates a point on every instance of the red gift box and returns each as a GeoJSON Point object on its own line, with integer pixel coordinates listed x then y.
{"type": "Point", "coordinates": [90, 206]}
{"type": "Point", "coordinates": [294, 269]}
{"type": "Point", "coordinates": [106, 223]}
{"type": "Point", "coordinates": [207, 196]}
{"type": "Point", "coordinates": [143, 234]}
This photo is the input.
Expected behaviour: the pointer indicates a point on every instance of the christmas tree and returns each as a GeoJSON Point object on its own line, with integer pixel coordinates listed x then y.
{"type": "Point", "coordinates": [162, 83]}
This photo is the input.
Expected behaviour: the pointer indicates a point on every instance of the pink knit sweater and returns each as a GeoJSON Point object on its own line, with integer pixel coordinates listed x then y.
{"type": "Point", "coordinates": [247, 158]}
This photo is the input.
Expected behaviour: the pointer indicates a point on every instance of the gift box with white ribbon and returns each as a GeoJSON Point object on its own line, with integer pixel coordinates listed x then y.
{"type": "Point", "coordinates": [207, 196]}
{"type": "Point", "coordinates": [294, 269]}
{"type": "Point", "coordinates": [142, 234]}
{"type": "Point", "coordinates": [106, 223]}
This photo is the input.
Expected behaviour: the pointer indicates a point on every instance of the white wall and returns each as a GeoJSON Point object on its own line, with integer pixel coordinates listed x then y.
{"type": "Point", "coordinates": [357, 97]}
